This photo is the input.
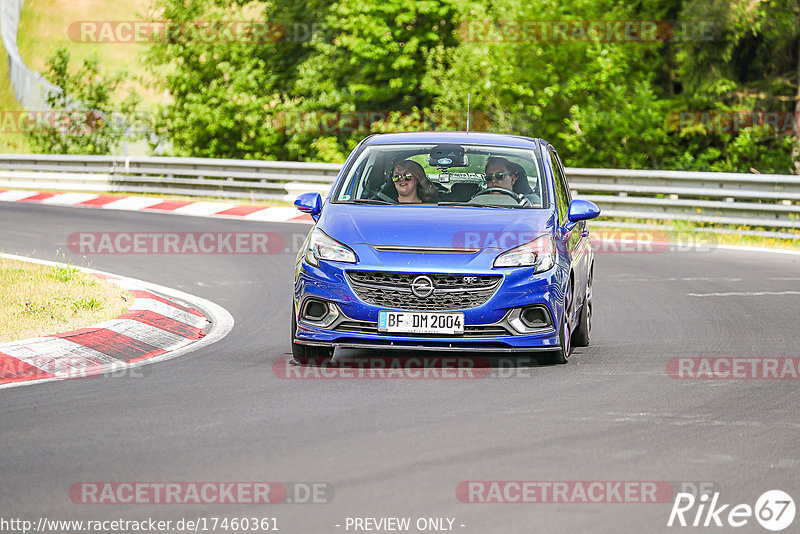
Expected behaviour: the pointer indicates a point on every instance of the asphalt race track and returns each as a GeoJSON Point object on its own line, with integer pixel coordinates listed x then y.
{"type": "Point", "coordinates": [400, 448]}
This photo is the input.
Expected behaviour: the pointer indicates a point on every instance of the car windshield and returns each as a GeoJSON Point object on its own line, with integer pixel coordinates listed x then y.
{"type": "Point", "coordinates": [445, 175]}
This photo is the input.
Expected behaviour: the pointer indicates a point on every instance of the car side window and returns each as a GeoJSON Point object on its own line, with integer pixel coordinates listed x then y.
{"type": "Point", "coordinates": [562, 193]}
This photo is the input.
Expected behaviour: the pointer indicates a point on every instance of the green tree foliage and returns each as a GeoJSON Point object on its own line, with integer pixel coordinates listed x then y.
{"type": "Point", "coordinates": [223, 93]}
{"type": "Point", "coordinates": [336, 70]}
{"type": "Point", "coordinates": [371, 58]}
{"type": "Point", "coordinates": [749, 70]}
{"type": "Point", "coordinates": [265, 100]}
{"type": "Point", "coordinates": [596, 98]}
{"type": "Point", "coordinates": [83, 119]}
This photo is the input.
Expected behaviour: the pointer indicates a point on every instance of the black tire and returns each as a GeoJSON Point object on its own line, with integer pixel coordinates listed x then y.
{"type": "Point", "coordinates": [308, 354]}
{"type": "Point", "coordinates": [582, 334]}
{"type": "Point", "coordinates": [561, 356]}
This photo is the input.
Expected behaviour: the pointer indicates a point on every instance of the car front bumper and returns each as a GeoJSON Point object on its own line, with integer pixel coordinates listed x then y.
{"type": "Point", "coordinates": [488, 327]}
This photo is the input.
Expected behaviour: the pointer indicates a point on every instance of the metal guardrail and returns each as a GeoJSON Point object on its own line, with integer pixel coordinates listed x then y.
{"type": "Point", "coordinates": [225, 178]}
{"type": "Point", "coordinates": [770, 201]}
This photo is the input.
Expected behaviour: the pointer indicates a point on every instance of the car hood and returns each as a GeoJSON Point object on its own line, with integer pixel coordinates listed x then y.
{"type": "Point", "coordinates": [444, 227]}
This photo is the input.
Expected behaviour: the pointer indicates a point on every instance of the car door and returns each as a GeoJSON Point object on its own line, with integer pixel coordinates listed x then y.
{"type": "Point", "coordinates": [576, 239]}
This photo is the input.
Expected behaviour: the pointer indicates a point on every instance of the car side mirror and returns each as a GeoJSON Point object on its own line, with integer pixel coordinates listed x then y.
{"type": "Point", "coordinates": [310, 203]}
{"type": "Point", "coordinates": [581, 210]}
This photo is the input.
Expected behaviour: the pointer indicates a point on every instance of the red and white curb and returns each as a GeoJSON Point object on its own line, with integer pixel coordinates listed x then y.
{"type": "Point", "coordinates": [162, 323]}
{"type": "Point", "coordinates": [148, 204]}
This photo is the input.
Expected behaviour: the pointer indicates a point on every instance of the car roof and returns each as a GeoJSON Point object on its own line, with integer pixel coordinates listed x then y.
{"type": "Point", "coordinates": [460, 138]}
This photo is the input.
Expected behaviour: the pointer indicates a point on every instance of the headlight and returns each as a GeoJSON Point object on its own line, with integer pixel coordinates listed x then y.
{"type": "Point", "coordinates": [537, 253]}
{"type": "Point", "coordinates": [322, 247]}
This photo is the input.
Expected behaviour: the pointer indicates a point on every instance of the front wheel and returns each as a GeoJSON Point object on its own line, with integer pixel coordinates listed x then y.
{"type": "Point", "coordinates": [565, 334]}
{"type": "Point", "coordinates": [305, 354]}
{"type": "Point", "coordinates": [584, 329]}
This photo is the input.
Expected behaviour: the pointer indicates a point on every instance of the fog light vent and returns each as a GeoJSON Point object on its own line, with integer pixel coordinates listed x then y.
{"type": "Point", "coordinates": [535, 317]}
{"type": "Point", "coordinates": [319, 313]}
{"type": "Point", "coordinates": [316, 310]}
{"type": "Point", "coordinates": [530, 319]}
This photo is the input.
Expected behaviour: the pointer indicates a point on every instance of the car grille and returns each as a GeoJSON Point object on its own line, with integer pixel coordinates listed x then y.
{"type": "Point", "coordinates": [370, 327]}
{"type": "Point", "coordinates": [451, 292]}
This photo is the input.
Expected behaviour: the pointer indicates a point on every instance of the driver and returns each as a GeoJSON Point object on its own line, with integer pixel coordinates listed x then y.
{"type": "Point", "coordinates": [499, 174]}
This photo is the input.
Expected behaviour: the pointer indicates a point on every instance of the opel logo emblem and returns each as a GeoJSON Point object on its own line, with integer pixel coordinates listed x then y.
{"type": "Point", "coordinates": [422, 286]}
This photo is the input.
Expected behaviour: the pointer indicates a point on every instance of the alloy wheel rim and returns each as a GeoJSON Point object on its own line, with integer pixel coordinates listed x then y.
{"type": "Point", "coordinates": [567, 313]}
{"type": "Point", "coordinates": [589, 303]}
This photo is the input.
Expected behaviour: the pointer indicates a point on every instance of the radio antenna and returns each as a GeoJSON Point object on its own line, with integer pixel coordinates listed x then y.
{"type": "Point", "coordinates": [468, 98]}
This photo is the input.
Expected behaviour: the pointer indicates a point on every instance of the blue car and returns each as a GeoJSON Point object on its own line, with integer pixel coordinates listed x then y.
{"type": "Point", "coordinates": [445, 241]}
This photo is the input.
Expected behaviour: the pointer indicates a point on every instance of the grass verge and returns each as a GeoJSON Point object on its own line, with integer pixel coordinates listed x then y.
{"type": "Point", "coordinates": [39, 300]}
{"type": "Point", "coordinates": [46, 25]}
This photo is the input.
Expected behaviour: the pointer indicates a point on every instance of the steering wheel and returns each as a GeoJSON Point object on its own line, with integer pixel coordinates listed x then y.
{"type": "Point", "coordinates": [502, 190]}
{"type": "Point", "coordinates": [383, 196]}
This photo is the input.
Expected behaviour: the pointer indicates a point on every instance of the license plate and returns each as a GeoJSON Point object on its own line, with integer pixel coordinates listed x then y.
{"type": "Point", "coordinates": [420, 322]}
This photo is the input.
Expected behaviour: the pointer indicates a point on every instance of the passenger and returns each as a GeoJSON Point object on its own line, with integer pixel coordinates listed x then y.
{"type": "Point", "coordinates": [413, 186]}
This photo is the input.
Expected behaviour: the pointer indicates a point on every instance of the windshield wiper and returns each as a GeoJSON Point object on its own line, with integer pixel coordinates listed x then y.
{"type": "Point", "coordinates": [368, 201]}
{"type": "Point", "coordinates": [469, 204]}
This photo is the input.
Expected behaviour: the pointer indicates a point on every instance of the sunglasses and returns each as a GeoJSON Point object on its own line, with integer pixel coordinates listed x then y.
{"type": "Point", "coordinates": [498, 176]}
{"type": "Point", "coordinates": [406, 176]}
